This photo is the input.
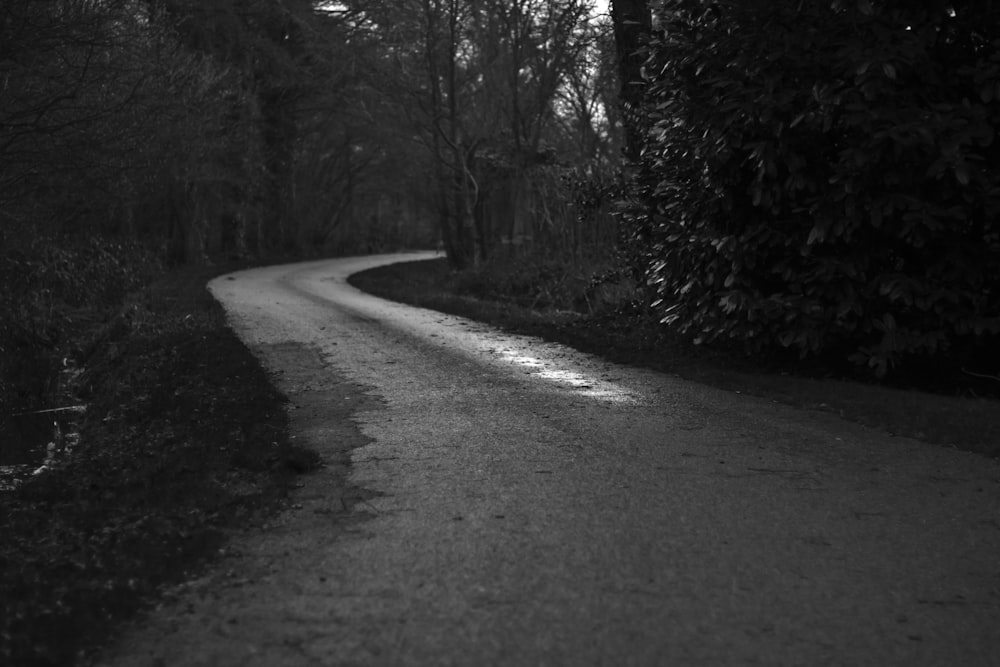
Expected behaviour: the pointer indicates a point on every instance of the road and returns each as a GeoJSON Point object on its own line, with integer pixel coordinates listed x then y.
{"type": "Point", "coordinates": [493, 499]}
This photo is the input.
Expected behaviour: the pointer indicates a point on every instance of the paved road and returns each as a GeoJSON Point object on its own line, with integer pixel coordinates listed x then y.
{"type": "Point", "coordinates": [513, 502]}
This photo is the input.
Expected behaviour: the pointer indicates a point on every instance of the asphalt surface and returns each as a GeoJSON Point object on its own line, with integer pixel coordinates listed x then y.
{"type": "Point", "coordinates": [496, 500]}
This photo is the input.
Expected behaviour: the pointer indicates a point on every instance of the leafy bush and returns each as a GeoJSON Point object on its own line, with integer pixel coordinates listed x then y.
{"type": "Point", "coordinates": [567, 257]}
{"type": "Point", "coordinates": [49, 285]}
{"type": "Point", "coordinates": [820, 176]}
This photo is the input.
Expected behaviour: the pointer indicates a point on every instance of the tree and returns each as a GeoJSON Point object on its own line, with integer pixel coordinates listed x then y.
{"type": "Point", "coordinates": [71, 109]}
{"type": "Point", "coordinates": [266, 45]}
{"type": "Point", "coordinates": [817, 178]}
{"type": "Point", "coordinates": [632, 21]}
{"type": "Point", "coordinates": [156, 118]}
{"type": "Point", "coordinates": [482, 87]}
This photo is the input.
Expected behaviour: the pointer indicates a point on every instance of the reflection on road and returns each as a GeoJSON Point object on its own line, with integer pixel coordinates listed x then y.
{"type": "Point", "coordinates": [581, 383]}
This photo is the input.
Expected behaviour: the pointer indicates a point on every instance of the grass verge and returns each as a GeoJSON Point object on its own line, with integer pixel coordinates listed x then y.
{"type": "Point", "coordinates": [184, 439]}
{"type": "Point", "coordinates": [966, 422]}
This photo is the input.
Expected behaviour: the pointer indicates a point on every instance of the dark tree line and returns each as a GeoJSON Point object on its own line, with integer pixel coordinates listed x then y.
{"type": "Point", "coordinates": [139, 131]}
{"type": "Point", "coordinates": [133, 133]}
{"type": "Point", "coordinates": [257, 126]}
{"type": "Point", "coordinates": [817, 176]}
{"type": "Point", "coordinates": [197, 125]}
{"type": "Point", "coordinates": [822, 177]}
{"type": "Point", "coordinates": [492, 104]}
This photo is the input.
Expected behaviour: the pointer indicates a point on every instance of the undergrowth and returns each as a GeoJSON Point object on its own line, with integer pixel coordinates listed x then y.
{"type": "Point", "coordinates": [184, 439]}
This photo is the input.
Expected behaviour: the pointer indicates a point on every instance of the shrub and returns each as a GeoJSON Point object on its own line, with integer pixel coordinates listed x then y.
{"type": "Point", "coordinates": [819, 176]}
{"type": "Point", "coordinates": [50, 285]}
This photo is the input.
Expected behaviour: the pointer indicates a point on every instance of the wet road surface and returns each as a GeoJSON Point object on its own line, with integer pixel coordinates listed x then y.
{"type": "Point", "coordinates": [492, 499]}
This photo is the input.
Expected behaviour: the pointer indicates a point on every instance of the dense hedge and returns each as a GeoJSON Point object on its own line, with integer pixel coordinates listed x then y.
{"type": "Point", "coordinates": [822, 176]}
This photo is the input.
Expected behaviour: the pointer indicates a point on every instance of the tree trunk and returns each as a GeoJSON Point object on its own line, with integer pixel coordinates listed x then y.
{"type": "Point", "coordinates": [278, 135]}
{"type": "Point", "coordinates": [632, 25]}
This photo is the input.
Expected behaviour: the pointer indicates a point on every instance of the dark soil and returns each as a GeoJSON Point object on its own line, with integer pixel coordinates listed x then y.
{"type": "Point", "coordinates": [184, 440]}
{"type": "Point", "coordinates": [963, 412]}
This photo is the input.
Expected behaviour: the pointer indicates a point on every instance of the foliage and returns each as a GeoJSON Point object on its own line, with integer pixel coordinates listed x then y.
{"type": "Point", "coordinates": [184, 438]}
{"type": "Point", "coordinates": [567, 258]}
{"type": "Point", "coordinates": [247, 127]}
{"type": "Point", "coordinates": [477, 94]}
{"type": "Point", "coordinates": [166, 120]}
{"type": "Point", "coordinates": [819, 176]}
{"type": "Point", "coordinates": [71, 84]}
{"type": "Point", "coordinates": [53, 289]}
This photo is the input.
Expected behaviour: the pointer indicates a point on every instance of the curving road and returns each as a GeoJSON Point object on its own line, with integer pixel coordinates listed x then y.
{"type": "Point", "coordinates": [496, 500]}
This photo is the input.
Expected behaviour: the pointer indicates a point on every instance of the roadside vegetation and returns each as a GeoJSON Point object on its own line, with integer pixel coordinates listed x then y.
{"type": "Point", "coordinates": [959, 411]}
{"type": "Point", "coordinates": [820, 177]}
{"type": "Point", "coordinates": [183, 440]}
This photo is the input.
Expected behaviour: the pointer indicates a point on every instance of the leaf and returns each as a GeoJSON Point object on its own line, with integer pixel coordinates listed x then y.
{"type": "Point", "coordinates": [816, 235]}
{"type": "Point", "coordinates": [962, 173]}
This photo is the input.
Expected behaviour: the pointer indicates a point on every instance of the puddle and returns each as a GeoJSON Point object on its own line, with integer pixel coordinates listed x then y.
{"type": "Point", "coordinates": [580, 382]}
{"type": "Point", "coordinates": [31, 440]}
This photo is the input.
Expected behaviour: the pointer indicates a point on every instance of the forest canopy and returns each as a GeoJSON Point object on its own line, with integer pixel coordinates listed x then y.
{"type": "Point", "coordinates": [818, 177]}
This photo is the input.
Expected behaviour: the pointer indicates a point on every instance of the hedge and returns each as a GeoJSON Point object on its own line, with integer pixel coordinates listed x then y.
{"type": "Point", "coordinates": [822, 176]}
